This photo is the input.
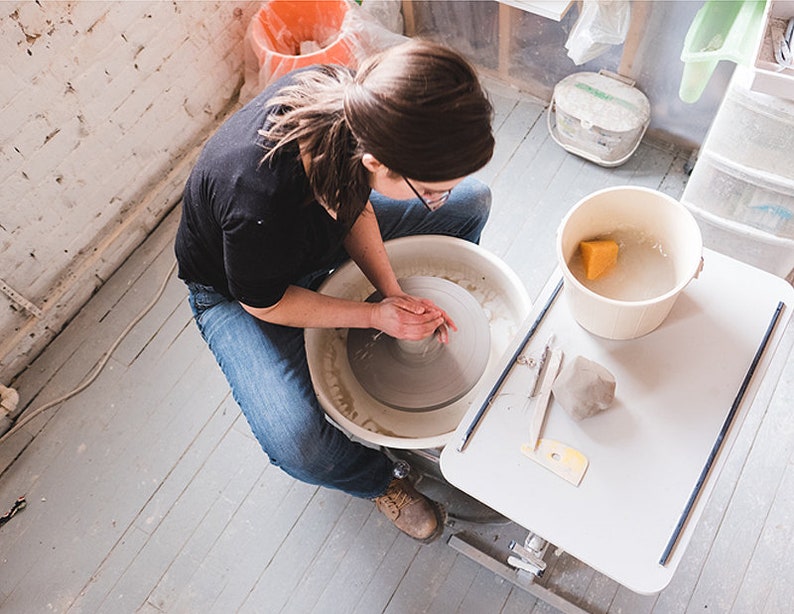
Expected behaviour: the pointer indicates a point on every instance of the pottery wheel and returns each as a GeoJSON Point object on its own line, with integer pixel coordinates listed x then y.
{"type": "Point", "coordinates": [424, 375]}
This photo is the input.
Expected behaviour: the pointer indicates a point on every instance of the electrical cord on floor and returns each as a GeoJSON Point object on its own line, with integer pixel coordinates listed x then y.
{"type": "Point", "coordinates": [28, 416]}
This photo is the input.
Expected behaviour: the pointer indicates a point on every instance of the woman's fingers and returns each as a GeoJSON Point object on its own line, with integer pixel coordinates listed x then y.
{"type": "Point", "coordinates": [447, 320]}
{"type": "Point", "coordinates": [406, 319]}
{"type": "Point", "coordinates": [415, 318]}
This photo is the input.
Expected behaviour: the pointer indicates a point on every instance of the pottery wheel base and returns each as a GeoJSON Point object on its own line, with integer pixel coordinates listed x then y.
{"type": "Point", "coordinates": [424, 375]}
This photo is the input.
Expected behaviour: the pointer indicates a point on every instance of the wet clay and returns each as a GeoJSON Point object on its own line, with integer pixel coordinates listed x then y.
{"type": "Point", "coordinates": [424, 375]}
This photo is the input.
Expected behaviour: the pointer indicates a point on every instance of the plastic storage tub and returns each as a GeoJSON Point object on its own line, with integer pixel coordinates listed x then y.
{"type": "Point", "coordinates": [755, 198]}
{"type": "Point", "coordinates": [741, 189]}
{"type": "Point", "coordinates": [598, 116]}
{"type": "Point", "coordinates": [760, 249]}
{"type": "Point", "coordinates": [755, 130]}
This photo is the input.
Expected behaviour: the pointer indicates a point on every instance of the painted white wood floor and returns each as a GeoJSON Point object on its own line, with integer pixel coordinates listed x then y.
{"type": "Point", "coordinates": [147, 493]}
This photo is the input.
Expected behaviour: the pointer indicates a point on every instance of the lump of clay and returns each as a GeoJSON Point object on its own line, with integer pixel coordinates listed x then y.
{"type": "Point", "coordinates": [584, 388]}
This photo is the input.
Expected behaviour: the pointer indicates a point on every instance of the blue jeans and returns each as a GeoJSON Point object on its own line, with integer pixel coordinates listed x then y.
{"type": "Point", "coordinates": [265, 364]}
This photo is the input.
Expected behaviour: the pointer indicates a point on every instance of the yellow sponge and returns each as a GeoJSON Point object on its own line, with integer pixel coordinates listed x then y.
{"type": "Point", "coordinates": [598, 256]}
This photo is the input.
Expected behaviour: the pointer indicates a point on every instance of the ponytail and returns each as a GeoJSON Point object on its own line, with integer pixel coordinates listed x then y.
{"type": "Point", "coordinates": [418, 108]}
{"type": "Point", "coordinates": [314, 117]}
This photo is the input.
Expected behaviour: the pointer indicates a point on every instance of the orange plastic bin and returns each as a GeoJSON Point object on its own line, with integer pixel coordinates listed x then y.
{"type": "Point", "coordinates": [285, 35]}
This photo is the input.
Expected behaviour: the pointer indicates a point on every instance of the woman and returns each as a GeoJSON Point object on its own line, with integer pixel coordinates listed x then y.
{"type": "Point", "coordinates": [323, 166]}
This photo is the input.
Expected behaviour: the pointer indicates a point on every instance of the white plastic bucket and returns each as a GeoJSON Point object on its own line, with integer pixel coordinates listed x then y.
{"type": "Point", "coordinates": [647, 211]}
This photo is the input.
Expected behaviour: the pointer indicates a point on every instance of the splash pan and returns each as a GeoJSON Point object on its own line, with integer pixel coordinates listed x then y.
{"type": "Point", "coordinates": [496, 287]}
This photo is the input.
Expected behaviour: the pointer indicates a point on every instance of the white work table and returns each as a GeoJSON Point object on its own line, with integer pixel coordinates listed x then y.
{"type": "Point", "coordinates": [675, 388]}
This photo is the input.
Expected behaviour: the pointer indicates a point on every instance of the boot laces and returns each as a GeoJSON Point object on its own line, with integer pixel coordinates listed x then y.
{"type": "Point", "coordinates": [395, 498]}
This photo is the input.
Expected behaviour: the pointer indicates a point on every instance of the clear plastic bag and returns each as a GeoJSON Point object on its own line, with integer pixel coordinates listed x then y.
{"type": "Point", "coordinates": [387, 12]}
{"type": "Point", "coordinates": [285, 35]}
{"type": "Point", "coordinates": [601, 24]}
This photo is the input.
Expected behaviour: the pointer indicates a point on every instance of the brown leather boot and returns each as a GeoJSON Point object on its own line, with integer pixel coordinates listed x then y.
{"type": "Point", "coordinates": [411, 512]}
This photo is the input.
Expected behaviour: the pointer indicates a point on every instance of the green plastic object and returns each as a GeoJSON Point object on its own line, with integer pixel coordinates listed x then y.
{"type": "Point", "coordinates": [721, 30]}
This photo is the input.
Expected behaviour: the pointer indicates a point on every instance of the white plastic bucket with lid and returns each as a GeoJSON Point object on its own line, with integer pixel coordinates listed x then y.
{"type": "Point", "coordinates": [648, 211]}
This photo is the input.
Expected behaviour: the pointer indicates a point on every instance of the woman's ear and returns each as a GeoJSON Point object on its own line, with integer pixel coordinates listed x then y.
{"type": "Point", "coordinates": [372, 164]}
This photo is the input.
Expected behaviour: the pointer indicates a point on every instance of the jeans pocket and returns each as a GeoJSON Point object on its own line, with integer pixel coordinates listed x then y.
{"type": "Point", "coordinates": [203, 297]}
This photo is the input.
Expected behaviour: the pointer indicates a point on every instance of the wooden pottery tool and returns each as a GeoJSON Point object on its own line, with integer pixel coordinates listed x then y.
{"type": "Point", "coordinates": [563, 460]}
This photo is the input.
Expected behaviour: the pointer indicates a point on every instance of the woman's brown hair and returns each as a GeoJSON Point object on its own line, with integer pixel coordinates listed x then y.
{"type": "Point", "coordinates": [418, 108]}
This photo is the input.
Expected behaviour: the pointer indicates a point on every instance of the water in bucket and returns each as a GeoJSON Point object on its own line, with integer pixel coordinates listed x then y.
{"type": "Point", "coordinates": [643, 270]}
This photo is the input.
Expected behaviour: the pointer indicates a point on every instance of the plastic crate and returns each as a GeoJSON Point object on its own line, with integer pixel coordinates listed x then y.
{"type": "Point", "coordinates": [755, 130]}
{"type": "Point", "coordinates": [760, 249]}
{"type": "Point", "coordinates": [744, 195]}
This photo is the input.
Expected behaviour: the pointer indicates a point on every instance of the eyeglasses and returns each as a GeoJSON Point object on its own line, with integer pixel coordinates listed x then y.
{"type": "Point", "coordinates": [433, 203]}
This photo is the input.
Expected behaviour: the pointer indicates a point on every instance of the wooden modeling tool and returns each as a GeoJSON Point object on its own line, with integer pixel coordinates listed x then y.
{"type": "Point", "coordinates": [563, 460]}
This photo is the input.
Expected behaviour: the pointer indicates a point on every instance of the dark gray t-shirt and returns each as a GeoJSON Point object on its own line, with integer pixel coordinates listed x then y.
{"type": "Point", "coordinates": [250, 229]}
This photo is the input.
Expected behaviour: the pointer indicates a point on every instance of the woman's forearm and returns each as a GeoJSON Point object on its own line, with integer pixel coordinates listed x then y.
{"type": "Point", "coordinates": [304, 308]}
{"type": "Point", "coordinates": [365, 247]}
{"type": "Point", "coordinates": [401, 317]}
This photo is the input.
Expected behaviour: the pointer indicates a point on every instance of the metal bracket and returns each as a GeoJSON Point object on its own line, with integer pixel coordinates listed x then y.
{"type": "Point", "coordinates": [517, 577]}
{"type": "Point", "coordinates": [529, 555]}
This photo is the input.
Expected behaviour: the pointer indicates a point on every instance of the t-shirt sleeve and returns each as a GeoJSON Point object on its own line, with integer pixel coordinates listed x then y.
{"type": "Point", "coordinates": [262, 226]}
{"type": "Point", "coordinates": [256, 260]}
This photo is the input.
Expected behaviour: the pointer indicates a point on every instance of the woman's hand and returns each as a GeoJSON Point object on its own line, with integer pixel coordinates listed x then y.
{"type": "Point", "coordinates": [412, 318]}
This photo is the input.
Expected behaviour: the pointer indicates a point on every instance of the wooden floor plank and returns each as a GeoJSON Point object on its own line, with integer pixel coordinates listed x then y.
{"type": "Point", "coordinates": [76, 357]}
{"type": "Point", "coordinates": [188, 530]}
{"type": "Point", "coordinates": [519, 601]}
{"type": "Point", "coordinates": [67, 525]}
{"type": "Point", "coordinates": [144, 468]}
{"type": "Point", "coordinates": [62, 348]}
{"type": "Point", "coordinates": [421, 583]}
{"type": "Point", "coordinates": [770, 566]}
{"type": "Point", "coordinates": [455, 585]}
{"type": "Point", "coordinates": [330, 555]}
{"type": "Point", "coordinates": [504, 99]}
{"type": "Point", "coordinates": [599, 595]}
{"type": "Point", "coordinates": [781, 596]}
{"type": "Point", "coordinates": [487, 592]}
{"type": "Point", "coordinates": [356, 570]}
{"type": "Point", "coordinates": [291, 562]}
{"type": "Point", "coordinates": [511, 133]}
{"type": "Point", "coordinates": [570, 579]}
{"type": "Point", "coordinates": [744, 519]}
{"type": "Point", "coordinates": [272, 529]}
{"type": "Point", "coordinates": [235, 474]}
{"type": "Point", "coordinates": [627, 601]}
{"type": "Point", "coordinates": [173, 298]}
{"type": "Point", "coordinates": [252, 538]}
{"type": "Point", "coordinates": [387, 577]}
{"type": "Point", "coordinates": [524, 177]}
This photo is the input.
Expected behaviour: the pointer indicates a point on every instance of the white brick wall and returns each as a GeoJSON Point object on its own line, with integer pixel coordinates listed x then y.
{"type": "Point", "coordinates": [103, 106]}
